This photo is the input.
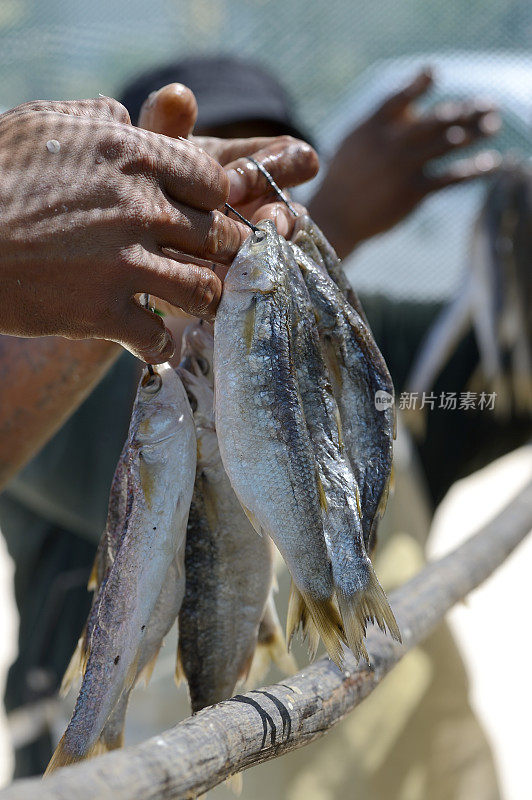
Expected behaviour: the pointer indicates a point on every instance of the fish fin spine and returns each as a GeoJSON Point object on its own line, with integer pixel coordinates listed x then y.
{"type": "Point", "coordinates": [147, 671]}
{"type": "Point", "coordinates": [329, 625]}
{"type": "Point", "coordinates": [363, 606]}
{"type": "Point", "coordinates": [76, 665]}
{"type": "Point", "coordinates": [235, 783]}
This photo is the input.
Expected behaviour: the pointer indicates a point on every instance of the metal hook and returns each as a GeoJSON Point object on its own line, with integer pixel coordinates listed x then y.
{"type": "Point", "coordinates": [277, 189]}
{"type": "Point", "coordinates": [145, 300]}
{"type": "Point", "coordinates": [243, 219]}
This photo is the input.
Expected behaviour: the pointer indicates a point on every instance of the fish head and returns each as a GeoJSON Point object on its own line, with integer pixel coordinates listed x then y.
{"type": "Point", "coordinates": [160, 407]}
{"type": "Point", "coordinates": [197, 350]}
{"type": "Point", "coordinates": [255, 270]}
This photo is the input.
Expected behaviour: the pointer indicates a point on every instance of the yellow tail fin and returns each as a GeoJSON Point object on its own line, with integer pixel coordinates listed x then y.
{"type": "Point", "coordinates": [324, 621]}
{"type": "Point", "coordinates": [368, 605]}
{"type": "Point", "coordinates": [76, 665]}
{"type": "Point", "coordinates": [63, 757]}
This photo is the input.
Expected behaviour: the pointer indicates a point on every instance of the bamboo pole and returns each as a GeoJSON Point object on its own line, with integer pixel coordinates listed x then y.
{"type": "Point", "coordinates": [203, 750]}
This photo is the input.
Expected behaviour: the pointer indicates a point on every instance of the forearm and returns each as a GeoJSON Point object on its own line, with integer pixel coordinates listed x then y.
{"type": "Point", "coordinates": [42, 382]}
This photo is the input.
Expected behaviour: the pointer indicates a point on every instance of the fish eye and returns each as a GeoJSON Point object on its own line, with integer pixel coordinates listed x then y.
{"type": "Point", "coordinates": [259, 236]}
{"type": "Point", "coordinates": [151, 383]}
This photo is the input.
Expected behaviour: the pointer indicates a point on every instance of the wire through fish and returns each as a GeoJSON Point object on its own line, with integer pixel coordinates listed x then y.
{"type": "Point", "coordinates": [243, 219]}
{"type": "Point", "coordinates": [145, 300]}
{"type": "Point", "coordinates": [277, 189]}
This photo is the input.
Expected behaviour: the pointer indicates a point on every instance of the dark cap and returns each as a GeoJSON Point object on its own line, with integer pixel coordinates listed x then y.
{"type": "Point", "coordinates": [227, 90]}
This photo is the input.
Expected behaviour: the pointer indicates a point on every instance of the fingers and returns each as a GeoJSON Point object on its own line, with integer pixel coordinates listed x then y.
{"type": "Point", "coordinates": [452, 125]}
{"type": "Point", "coordinates": [171, 110]}
{"type": "Point", "coordinates": [480, 166]}
{"type": "Point", "coordinates": [226, 150]}
{"type": "Point", "coordinates": [280, 215]}
{"type": "Point", "coordinates": [289, 161]}
{"type": "Point", "coordinates": [398, 103]}
{"type": "Point", "coordinates": [193, 288]}
{"type": "Point", "coordinates": [207, 235]}
{"type": "Point", "coordinates": [184, 171]}
{"type": "Point", "coordinates": [97, 108]}
{"type": "Point", "coordinates": [144, 334]}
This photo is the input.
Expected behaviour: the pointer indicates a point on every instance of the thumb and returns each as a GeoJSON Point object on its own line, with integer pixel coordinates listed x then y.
{"type": "Point", "coordinates": [144, 334]}
{"type": "Point", "coordinates": [171, 111]}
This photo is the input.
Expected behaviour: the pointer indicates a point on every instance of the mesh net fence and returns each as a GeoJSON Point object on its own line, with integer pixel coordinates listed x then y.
{"type": "Point", "coordinates": [338, 59]}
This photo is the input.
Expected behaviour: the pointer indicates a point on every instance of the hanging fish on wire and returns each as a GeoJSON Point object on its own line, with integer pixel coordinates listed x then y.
{"type": "Point", "coordinates": [263, 436]}
{"type": "Point", "coordinates": [358, 593]}
{"type": "Point", "coordinates": [160, 455]}
{"type": "Point", "coordinates": [229, 567]}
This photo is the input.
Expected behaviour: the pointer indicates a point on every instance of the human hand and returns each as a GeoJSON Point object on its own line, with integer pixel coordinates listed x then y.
{"type": "Point", "coordinates": [378, 174]}
{"type": "Point", "coordinates": [172, 110]}
{"type": "Point", "coordinates": [89, 203]}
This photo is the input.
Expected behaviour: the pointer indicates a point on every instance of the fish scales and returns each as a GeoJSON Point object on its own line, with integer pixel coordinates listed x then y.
{"type": "Point", "coordinates": [358, 372]}
{"type": "Point", "coordinates": [310, 238]}
{"type": "Point", "coordinates": [160, 455]}
{"type": "Point", "coordinates": [263, 437]}
{"type": "Point", "coordinates": [229, 567]}
{"type": "Point", "coordinates": [358, 592]}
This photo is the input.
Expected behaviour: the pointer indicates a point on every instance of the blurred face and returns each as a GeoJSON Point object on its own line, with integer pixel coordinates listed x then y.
{"type": "Point", "coordinates": [243, 129]}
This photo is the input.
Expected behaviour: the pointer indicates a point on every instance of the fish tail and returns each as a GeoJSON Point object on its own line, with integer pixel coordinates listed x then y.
{"type": "Point", "coordinates": [93, 582]}
{"type": "Point", "coordinates": [109, 741]}
{"type": "Point", "coordinates": [64, 756]}
{"type": "Point", "coordinates": [147, 671]}
{"type": "Point", "coordinates": [317, 618]}
{"type": "Point", "coordinates": [327, 621]}
{"type": "Point", "coordinates": [296, 614]}
{"type": "Point", "coordinates": [362, 606]}
{"type": "Point", "coordinates": [311, 634]}
{"type": "Point", "coordinates": [179, 673]}
{"type": "Point", "coordinates": [235, 783]}
{"type": "Point", "coordinates": [76, 665]}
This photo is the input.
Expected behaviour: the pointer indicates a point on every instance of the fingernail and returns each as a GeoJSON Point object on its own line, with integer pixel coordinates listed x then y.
{"type": "Point", "coordinates": [238, 187]}
{"type": "Point", "coordinates": [281, 223]}
{"type": "Point", "coordinates": [165, 352]}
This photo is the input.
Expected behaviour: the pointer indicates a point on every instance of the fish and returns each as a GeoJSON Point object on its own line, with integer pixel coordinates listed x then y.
{"type": "Point", "coordinates": [360, 381]}
{"type": "Point", "coordinates": [103, 561]}
{"type": "Point", "coordinates": [359, 595]}
{"type": "Point", "coordinates": [494, 299]}
{"type": "Point", "coordinates": [160, 454]}
{"type": "Point", "coordinates": [311, 239]}
{"type": "Point", "coordinates": [262, 432]}
{"type": "Point", "coordinates": [162, 618]}
{"type": "Point", "coordinates": [229, 567]}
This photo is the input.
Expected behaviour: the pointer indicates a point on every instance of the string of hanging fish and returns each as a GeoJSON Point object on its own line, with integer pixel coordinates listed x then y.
{"type": "Point", "coordinates": [266, 437]}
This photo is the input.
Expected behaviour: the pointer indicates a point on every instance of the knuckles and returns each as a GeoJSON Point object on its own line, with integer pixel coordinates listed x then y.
{"type": "Point", "coordinates": [201, 293]}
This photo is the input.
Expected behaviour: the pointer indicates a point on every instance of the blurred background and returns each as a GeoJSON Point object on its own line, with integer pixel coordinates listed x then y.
{"type": "Point", "coordinates": [339, 60]}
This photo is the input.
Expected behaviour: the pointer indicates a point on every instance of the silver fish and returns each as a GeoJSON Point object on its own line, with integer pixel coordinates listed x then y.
{"type": "Point", "coordinates": [161, 457]}
{"type": "Point", "coordinates": [162, 618]}
{"type": "Point", "coordinates": [495, 299]}
{"type": "Point", "coordinates": [229, 567]}
{"type": "Point", "coordinates": [309, 238]}
{"type": "Point", "coordinates": [363, 390]}
{"type": "Point", "coordinates": [263, 437]}
{"type": "Point", "coordinates": [358, 592]}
